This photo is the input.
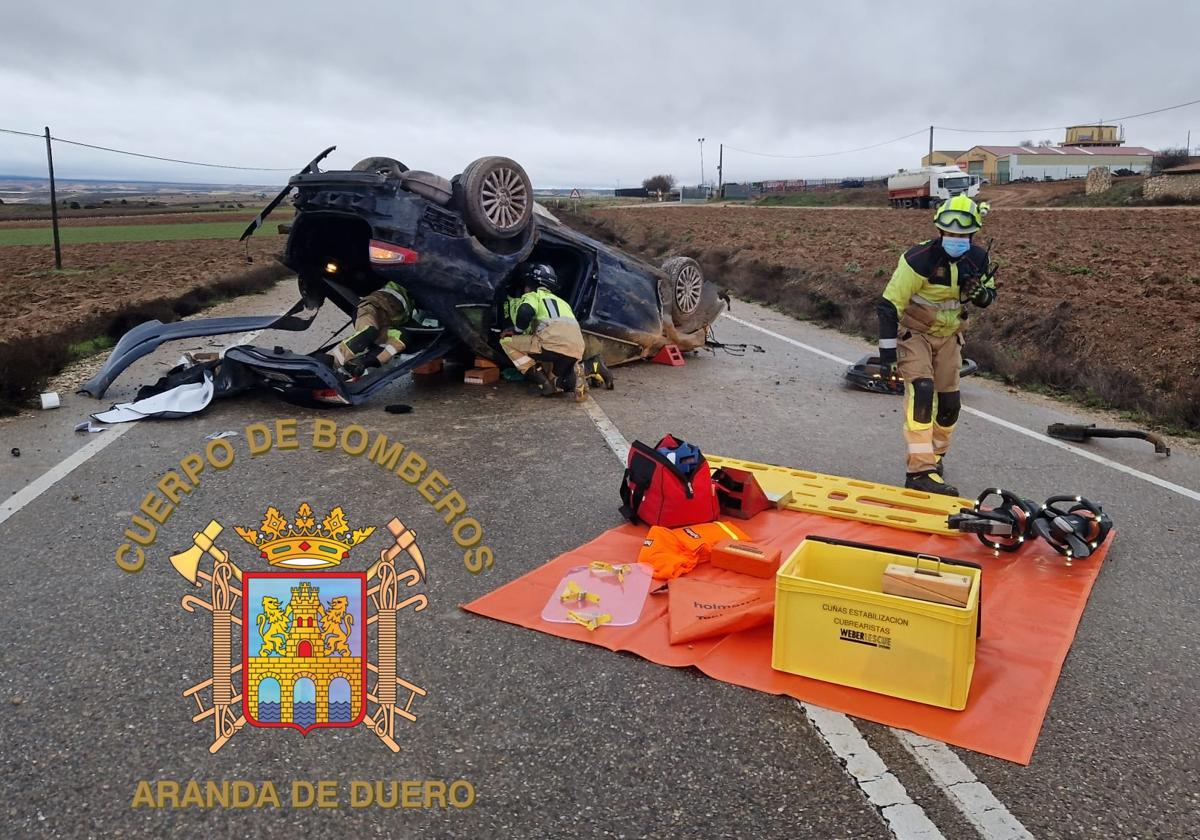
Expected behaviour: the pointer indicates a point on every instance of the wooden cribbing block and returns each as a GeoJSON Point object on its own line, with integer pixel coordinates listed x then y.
{"type": "Point", "coordinates": [934, 585]}
{"type": "Point", "coordinates": [428, 369]}
{"type": "Point", "coordinates": [746, 557]}
{"type": "Point", "coordinates": [483, 362]}
{"type": "Point", "coordinates": [481, 376]}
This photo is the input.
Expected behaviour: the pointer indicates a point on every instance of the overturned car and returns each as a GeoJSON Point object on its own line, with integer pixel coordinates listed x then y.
{"type": "Point", "coordinates": [454, 245]}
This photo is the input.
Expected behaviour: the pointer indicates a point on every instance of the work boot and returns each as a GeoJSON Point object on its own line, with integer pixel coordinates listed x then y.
{"type": "Point", "coordinates": [929, 482]}
{"type": "Point", "coordinates": [355, 345]}
{"type": "Point", "coordinates": [535, 376]}
{"type": "Point", "coordinates": [938, 467]}
{"type": "Point", "coordinates": [598, 372]}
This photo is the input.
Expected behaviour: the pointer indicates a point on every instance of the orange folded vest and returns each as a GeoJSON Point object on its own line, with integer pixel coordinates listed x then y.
{"type": "Point", "coordinates": [672, 552]}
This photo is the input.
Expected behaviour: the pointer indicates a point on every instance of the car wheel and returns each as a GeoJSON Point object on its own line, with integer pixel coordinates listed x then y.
{"type": "Point", "coordinates": [381, 165]}
{"type": "Point", "coordinates": [497, 198]}
{"type": "Point", "coordinates": [686, 297]}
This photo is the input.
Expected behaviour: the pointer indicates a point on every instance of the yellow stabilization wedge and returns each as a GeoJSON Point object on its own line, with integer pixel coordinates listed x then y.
{"type": "Point", "coordinates": [849, 498]}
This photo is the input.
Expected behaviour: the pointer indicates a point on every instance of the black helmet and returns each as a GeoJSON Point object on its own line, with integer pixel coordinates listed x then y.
{"type": "Point", "coordinates": [539, 274]}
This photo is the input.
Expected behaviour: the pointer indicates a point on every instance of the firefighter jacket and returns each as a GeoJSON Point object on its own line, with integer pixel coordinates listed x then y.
{"type": "Point", "coordinates": [924, 294]}
{"type": "Point", "coordinates": [538, 307]}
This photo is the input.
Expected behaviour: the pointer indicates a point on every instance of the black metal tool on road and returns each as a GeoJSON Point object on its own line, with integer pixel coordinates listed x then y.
{"type": "Point", "coordinates": [867, 375]}
{"type": "Point", "coordinates": [1081, 434]}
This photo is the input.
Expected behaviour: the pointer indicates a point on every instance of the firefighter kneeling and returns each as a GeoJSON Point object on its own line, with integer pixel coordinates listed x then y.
{"type": "Point", "coordinates": [545, 342]}
{"type": "Point", "coordinates": [921, 315]}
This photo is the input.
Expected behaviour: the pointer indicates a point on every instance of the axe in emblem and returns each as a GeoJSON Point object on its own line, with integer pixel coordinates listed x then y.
{"type": "Point", "coordinates": [224, 595]}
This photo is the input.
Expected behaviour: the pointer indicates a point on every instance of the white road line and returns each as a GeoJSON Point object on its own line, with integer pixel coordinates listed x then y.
{"type": "Point", "coordinates": [67, 465]}
{"type": "Point", "coordinates": [999, 421]}
{"type": "Point", "coordinates": [58, 472]}
{"type": "Point", "coordinates": [816, 350]}
{"type": "Point", "coordinates": [905, 818]}
{"type": "Point", "coordinates": [971, 796]}
{"type": "Point", "coordinates": [612, 435]}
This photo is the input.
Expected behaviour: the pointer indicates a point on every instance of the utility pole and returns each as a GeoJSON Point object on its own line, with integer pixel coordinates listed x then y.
{"type": "Point", "coordinates": [700, 140]}
{"type": "Point", "coordinates": [53, 203]}
{"type": "Point", "coordinates": [931, 145]}
{"type": "Point", "coordinates": [721, 167]}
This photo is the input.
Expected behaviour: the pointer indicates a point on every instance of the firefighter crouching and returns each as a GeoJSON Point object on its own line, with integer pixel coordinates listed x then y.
{"type": "Point", "coordinates": [921, 321]}
{"type": "Point", "coordinates": [545, 342]}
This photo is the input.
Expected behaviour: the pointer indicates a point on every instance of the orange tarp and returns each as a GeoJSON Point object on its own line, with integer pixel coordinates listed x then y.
{"type": "Point", "coordinates": [1032, 603]}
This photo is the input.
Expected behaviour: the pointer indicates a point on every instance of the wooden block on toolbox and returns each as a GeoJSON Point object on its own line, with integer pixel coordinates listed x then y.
{"type": "Point", "coordinates": [481, 362]}
{"type": "Point", "coordinates": [481, 376]}
{"type": "Point", "coordinates": [936, 586]}
{"type": "Point", "coordinates": [429, 368]}
{"type": "Point", "coordinates": [746, 557]}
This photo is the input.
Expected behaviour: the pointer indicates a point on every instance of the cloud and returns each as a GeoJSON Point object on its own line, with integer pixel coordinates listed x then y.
{"type": "Point", "coordinates": [581, 93]}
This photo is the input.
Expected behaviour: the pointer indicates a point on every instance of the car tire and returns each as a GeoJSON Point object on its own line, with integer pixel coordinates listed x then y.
{"type": "Point", "coordinates": [686, 297]}
{"type": "Point", "coordinates": [497, 198]}
{"type": "Point", "coordinates": [382, 165]}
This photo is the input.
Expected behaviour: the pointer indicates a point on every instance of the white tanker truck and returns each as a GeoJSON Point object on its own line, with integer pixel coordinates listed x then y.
{"type": "Point", "coordinates": [930, 186]}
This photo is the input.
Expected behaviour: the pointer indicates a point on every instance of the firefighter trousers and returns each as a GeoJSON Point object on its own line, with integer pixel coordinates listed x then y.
{"type": "Point", "coordinates": [930, 367]}
{"type": "Point", "coordinates": [558, 335]}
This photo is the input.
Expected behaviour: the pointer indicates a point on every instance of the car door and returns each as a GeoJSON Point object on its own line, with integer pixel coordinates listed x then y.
{"type": "Point", "coordinates": [621, 313]}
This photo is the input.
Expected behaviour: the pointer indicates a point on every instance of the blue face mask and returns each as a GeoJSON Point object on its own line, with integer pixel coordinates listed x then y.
{"type": "Point", "coordinates": [955, 247]}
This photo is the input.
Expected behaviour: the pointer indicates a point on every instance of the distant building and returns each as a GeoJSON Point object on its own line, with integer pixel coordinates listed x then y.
{"type": "Point", "coordinates": [943, 158]}
{"type": "Point", "coordinates": [1093, 135]}
{"type": "Point", "coordinates": [1001, 164]}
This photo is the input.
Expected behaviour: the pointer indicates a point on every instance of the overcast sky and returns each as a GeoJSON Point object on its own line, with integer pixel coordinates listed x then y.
{"type": "Point", "coordinates": [581, 93]}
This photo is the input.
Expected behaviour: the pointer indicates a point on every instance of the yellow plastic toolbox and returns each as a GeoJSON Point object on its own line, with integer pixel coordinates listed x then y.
{"type": "Point", "coordinates": [834, 623]}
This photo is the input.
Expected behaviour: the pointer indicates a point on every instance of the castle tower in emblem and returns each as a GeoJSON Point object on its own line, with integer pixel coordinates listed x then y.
{"type": "Point", "coordinates": [304, 658]}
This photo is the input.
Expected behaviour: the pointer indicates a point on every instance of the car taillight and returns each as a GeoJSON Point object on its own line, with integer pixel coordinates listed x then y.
{"type": "Point", "coordinates": [385, 253]}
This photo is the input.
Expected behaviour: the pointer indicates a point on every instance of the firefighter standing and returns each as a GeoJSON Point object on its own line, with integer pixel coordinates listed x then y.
{"type": "Point", "coordinates": [378, 330]}
{"type": "Point", "coordinates": [921, 316]}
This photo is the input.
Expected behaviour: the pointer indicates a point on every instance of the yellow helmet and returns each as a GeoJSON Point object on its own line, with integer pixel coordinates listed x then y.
{"type": "Point", "coordinates": [958, 215]}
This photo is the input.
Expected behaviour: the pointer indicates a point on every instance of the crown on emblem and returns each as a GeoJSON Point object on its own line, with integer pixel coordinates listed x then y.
{"type": "Point", "coordinates": [300, 544]}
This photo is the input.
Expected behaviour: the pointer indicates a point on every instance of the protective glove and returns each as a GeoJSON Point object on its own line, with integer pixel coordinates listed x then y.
{"type": "Point", "coordinates": [887, 362]}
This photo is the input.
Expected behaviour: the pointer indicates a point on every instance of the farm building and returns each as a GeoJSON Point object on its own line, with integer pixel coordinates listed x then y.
{"type": "Point", "coordinates": [943, 158]}
{"type": "Point", "coordinates": [1001, 164]}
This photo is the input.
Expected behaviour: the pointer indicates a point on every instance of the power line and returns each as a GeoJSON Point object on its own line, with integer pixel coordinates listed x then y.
{"type": "Point", "coordinates": [829, 154]}
{"type": "Point", "coordinates": [148, 157]}
{"type": "Point", "coordinates": [1062, 127]}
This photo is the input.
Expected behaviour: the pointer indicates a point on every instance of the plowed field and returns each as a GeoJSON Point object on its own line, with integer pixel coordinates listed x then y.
{"type": "Point", "coordinates": [114, 277]}
{"type": "Point", "coordinates": [1104, 302]}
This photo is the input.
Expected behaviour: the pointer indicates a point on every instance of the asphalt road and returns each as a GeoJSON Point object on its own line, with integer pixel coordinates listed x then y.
{"type": "Point", "coordinates": [558, 739]}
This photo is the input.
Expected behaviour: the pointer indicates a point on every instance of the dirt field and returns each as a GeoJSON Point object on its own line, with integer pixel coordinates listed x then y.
{"type": "Point", "coordinates": [106, 289]}
{"type": "Point", "coordinates": [1102, 302]}
{"type": "Point", "coordinates": [116, 276]}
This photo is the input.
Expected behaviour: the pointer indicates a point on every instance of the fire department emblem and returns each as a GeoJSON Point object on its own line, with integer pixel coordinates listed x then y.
{"type": "Point", "coordinates": [301, 633]}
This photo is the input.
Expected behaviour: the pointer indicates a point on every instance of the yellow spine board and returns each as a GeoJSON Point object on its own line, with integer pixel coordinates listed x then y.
{"type": "Point", "coordinates": [850, 498]}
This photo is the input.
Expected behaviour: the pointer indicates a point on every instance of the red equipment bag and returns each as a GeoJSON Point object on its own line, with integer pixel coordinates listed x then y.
{"type": "Point", "coordinates": [657, 491]}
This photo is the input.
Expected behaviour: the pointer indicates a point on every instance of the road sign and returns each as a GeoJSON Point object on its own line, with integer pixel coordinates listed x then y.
{"type": "Point", "coordinates": [575, 196]}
